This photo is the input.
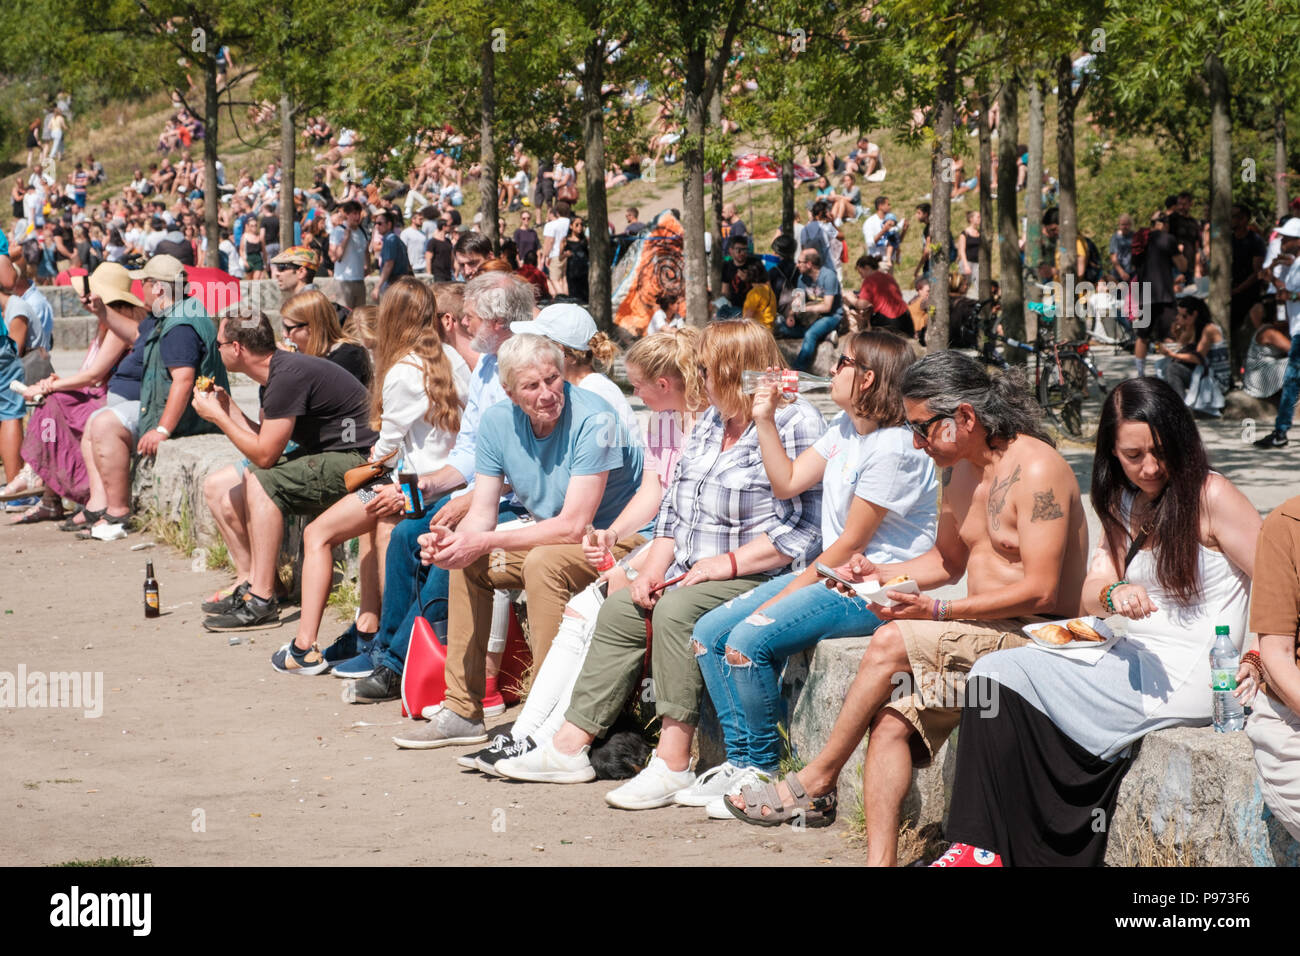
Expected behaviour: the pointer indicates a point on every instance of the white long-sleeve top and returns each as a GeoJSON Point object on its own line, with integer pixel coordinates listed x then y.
{"type": "Point", "coordinates": [404, 426]}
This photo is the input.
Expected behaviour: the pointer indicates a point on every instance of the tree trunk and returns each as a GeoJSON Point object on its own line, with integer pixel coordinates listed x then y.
{"type": "Point", "coordinates": [1220, 251]}
{"type": "Point", "coordinates": [1012, 276]}
{"type": "Point", "coordinates": [936, 331]}
{"type": "Point", "coordinates": [593, 134]}
{"type": "Point", "coordinates": [696, 268]}
{"type": "Point", "coordinates": [1034, 198]}
{"type": "Point", "coordinates": [984, 288]}
{"type": "Point", "coordinates": [211, 194]}
{"type": "Point", "coordinates": [787, 196]}
{"type": "Point", "coordinates": [487, 147]}
{"type": "Point", "coordinates": [715, 195]}
{"type": "Point", "coordinates": [288, 170]}
{"type": "Point", "coordinates": [1279, 157]}
{"type": "Point", "coordinates": [1069, 325]}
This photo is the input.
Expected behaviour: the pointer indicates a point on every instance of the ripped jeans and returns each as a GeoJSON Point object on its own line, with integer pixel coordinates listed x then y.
{"type": "Point", "coordinates": [747, 697]}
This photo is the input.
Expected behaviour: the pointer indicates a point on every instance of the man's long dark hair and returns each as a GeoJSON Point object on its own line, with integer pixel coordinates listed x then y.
{"type": "Point", "coordinates": [1175, 530]}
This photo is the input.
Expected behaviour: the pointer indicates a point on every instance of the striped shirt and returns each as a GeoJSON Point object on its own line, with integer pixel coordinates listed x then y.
{"type": "Point", "coordinates": [720, 500]}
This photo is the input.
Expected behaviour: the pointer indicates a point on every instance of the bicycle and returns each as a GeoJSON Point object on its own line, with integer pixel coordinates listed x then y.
{"type": "Point", "coordinates": [1064, 372]}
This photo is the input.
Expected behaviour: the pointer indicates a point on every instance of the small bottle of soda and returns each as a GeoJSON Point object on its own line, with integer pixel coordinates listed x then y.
{"type": "Point", "coordinates": [151, 605]}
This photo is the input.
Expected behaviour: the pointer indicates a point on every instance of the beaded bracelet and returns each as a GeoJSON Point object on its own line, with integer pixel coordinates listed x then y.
{"type": "Point", "coordinates": [1108, 602]}
{"type": "Point", "coordinates": [1252, 660]}
{"type": "Point", "coordinates": [945, 610]}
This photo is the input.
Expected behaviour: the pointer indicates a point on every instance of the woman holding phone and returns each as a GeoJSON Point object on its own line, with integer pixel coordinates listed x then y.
{"type": "Point", "coordinates": [879, 498]}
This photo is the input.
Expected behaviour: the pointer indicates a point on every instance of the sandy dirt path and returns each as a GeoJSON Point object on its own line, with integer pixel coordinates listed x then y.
{"type": "Point", "coordinates": [204, 755]}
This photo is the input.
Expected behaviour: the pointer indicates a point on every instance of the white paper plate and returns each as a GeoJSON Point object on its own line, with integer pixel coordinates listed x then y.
{"type": "Point", "coordinates": [1096, 623]}
{"type": "Point", "coordinates": [872, 591]}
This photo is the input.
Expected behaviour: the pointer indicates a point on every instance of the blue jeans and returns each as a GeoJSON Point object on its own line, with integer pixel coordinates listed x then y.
{"type": "Point", "coordinates": [813, 337]}
{"type": "Point", "coordinates": [411, 589]}
{"type": "Point", "coordinates": [748, 697]}
{"type": "Point", "coordinates": [1290, 388]}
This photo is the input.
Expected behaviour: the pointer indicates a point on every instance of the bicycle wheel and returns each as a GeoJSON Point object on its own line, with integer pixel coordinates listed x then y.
{"type": "Point", "coordinates": [1062, 390]}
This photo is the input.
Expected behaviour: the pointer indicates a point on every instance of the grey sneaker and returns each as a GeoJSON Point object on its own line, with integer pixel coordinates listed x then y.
{"type": "Point", "coordinates": [445, 728]}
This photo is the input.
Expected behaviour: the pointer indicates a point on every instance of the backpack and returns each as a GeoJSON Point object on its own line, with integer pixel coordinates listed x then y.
{"type": "Point", "coordinates": [1092, 269]}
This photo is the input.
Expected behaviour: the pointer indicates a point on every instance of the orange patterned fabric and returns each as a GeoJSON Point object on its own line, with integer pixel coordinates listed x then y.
{"type": "Point", "coordinates": [659, 266]}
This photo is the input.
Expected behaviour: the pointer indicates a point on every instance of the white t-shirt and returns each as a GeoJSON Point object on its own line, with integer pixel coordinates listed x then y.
{"type": "Point", "coordinates": [557, 229]}
{"type": "Point", "coordinates": [595, 382]}
{"type": "Point", "coordinates": [35, 308]}
{"type": "Point", "coordinates": [885, 469]}
{"type": "Point", "coordinates": [1291, 278]}
{"type": "Point", "coordinates": [872, 226]}
{"type": "Point", "coordinates": [352, 266]}
{"type": "Point", "coordinates": [415, 242]}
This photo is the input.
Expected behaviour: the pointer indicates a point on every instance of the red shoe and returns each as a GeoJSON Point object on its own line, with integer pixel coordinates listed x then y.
{"type": "Point", "coordinates": [963, 854]}
{"type": "Point", "coordinates": [494, 704]}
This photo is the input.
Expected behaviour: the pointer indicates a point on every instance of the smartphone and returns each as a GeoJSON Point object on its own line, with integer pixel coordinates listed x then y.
{"type": "Point", "coordinates": [829, 572]}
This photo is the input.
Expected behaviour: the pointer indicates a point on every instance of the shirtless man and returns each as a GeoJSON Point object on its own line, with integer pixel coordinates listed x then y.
{"type": "Point", "coordinates": [1013, 523]}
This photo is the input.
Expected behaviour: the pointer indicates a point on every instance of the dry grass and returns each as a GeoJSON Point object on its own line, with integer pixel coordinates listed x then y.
{"type": "Point", "coordinates": [1139, 846]}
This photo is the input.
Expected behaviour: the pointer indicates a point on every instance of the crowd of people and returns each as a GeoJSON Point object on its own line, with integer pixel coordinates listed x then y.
{"type": "Point", "coordinates": [683, 554]}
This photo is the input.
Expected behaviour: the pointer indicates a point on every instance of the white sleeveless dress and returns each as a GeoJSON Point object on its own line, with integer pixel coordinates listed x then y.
{"type": "Point", "coordinates": [1156, 676]}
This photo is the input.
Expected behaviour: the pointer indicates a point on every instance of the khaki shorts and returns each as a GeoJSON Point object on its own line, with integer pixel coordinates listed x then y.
{"type": "Point", "coordinates": [555, 267]}
{"type": "Point", "coordinates": [941, 654]}
{"type": "Point", "coordinates": [307, 484]}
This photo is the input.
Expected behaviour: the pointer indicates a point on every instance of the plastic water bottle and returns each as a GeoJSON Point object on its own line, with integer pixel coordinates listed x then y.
{"type": "Point", "coordinates": [1224, 662]}
{"type": "Point", "coordinates": [791, 381]}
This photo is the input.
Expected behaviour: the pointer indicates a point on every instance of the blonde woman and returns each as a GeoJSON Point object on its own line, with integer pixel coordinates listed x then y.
{"type": "Point", "coordinates": [415, 407]}
{"type": "Point", "coordinates": [311, 325]}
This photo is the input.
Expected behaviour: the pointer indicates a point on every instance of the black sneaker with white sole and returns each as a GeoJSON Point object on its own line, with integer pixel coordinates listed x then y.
{"type": "Point", "coordinates": [253, 614]}
{"type": "Point", "coordinates": [470, 761]}
{"type": "Point", "coordinates": [486, 760]}
{"type": "Point", "coordinates": [1274, 439]}
{"type": "Point", "coordinates": [229, 602]}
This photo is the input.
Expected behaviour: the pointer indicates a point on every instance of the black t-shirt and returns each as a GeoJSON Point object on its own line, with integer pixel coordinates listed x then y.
{"type": "Point", "coordinates": [735, 296]}
{"type": "Point", "coordinates": [354, 358]}
{"type": "Point", "coordinates": [1158, 265]}
{"type": "Point", "coordinates": [1187, 231]}
{"type": "Point", "coordinates": [271, 230]}
{"type": "Point", "coordinates": [331, 408]}
{"type": "Point", "coordinates": [179, 347]}
{"type": "Point", "coordinates": [440, 266]}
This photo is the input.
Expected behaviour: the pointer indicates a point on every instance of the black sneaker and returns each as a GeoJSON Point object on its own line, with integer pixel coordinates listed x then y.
{"type": "Point", "coordinates": [253, 613]}
{"type": "Point", "coordinates": [486, 760]}
{"type": "Point", "coordinates": [384, 684]}
{"type": "Point", "coordinates": [470, 761]}
{"type": "Point", "coordinates": [229, 602]}
{"type": "Point", "coordinates": [1274, 439]}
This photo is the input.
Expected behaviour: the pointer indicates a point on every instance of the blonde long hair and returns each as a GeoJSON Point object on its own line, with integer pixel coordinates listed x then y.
{"type": "Point", "coordinates": [672, 354]}
{"type": "Point", "coordinates": [727, 348]}
{"type": "Point", "coordinates": [313, 309]}
{"type": "Point", "coordinates": [408, 323]}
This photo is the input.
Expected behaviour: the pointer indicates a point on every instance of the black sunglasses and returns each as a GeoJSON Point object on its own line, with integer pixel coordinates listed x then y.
{"type": "Point", "coordinates": [289, 328]}
{"type": "Point", "coordinates": [845, 361]}
{"type": "Point", "coordinates": [922, 429]}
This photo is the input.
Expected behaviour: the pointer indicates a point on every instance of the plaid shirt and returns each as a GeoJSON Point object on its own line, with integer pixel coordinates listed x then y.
{"type": "Point", "coordinates": [720, 500]}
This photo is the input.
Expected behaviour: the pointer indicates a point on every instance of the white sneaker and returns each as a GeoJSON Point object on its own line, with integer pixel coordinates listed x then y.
{"type": "Point", "coordinates": [547, 765]}
{"type": "Point", "coordinates": [653, 787]}
{"type": "Point", "coordinates": [716, 809]}
{"type": "Point", "coordinates": [708, 786]}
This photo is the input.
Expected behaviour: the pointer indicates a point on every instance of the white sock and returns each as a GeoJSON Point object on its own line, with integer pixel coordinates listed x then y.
{"type": "Point", "coordinates": [1141, 365]}
{"type": "Point", "coordinates": [500, 622]}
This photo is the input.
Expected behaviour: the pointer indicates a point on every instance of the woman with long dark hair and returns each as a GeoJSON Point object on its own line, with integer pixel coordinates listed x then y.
{"type": "Point", "coordinates": [1037, 771]}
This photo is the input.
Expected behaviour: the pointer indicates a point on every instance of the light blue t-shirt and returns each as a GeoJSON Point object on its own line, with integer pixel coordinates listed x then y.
{"type": "Point", "coordinates": [35, 308]}
{"type": "Point", "coordinates": [589, 438]}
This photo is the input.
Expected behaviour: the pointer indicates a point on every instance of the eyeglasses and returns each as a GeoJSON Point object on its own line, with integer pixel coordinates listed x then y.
{"type": "Point", "coordinates": [845, 361]}
{"type": "Point", "coordinates": [289, 328]}
{"type": "Point", "coordinates": [221, 344]}
{"type": "Point", "coordinates": [922, 429]}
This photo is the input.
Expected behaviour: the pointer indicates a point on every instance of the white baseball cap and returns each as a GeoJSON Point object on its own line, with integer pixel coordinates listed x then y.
{"type": "Point", "coordinates": [566, 323]}
{"type": "Point", "coordinates": [1290, 228]}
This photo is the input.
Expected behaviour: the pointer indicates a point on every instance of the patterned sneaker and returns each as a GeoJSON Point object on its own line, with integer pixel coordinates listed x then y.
{"type": "Point", "coordinates": [487, 760]}
{"type": "Point", "coordinates": [290, 660]}
{"type": "Point", "coordinates": [963, 854]}
{"type": "Point", "coordinates": [253, 614]}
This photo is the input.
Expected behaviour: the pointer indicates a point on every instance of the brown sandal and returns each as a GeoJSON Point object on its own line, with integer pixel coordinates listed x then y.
{"type": "Point", "coordinates": [807, 811]}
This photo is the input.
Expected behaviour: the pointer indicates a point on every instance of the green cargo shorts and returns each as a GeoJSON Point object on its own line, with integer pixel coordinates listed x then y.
{"type": "Point", "coordinates": [302, 484]}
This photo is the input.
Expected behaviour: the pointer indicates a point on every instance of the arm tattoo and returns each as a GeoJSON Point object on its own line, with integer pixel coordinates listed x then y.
{"type": "Point", "coordinates": [998, 498]}
{"type": "Point", "coordinates": [1045, 507]}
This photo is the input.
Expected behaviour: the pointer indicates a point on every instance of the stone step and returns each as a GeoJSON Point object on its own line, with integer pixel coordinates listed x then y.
{"type": "Point", "coordinates": [1189, 786]}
